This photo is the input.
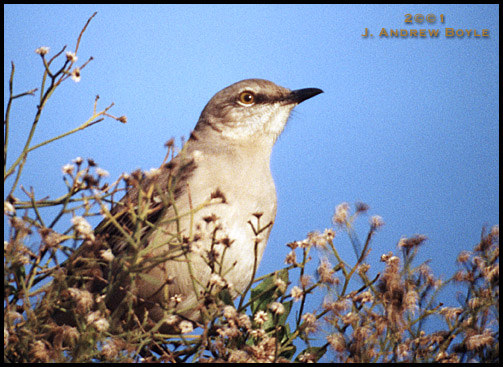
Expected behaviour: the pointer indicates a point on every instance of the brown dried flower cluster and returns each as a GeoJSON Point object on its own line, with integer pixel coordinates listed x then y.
{"type": "Point", "coordinates": [365, 316]}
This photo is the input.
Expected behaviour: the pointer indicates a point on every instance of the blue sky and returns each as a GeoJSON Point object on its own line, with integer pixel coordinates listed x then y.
{"type": "Point", "coordinates": [409, 126]}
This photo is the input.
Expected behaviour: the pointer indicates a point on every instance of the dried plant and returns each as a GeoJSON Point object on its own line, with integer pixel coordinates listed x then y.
{"type": "Point", "coordinates": [60, 284]}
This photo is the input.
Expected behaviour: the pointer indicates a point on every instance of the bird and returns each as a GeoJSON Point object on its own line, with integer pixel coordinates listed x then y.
{"type": "Point", "coordinates": [201, 220]}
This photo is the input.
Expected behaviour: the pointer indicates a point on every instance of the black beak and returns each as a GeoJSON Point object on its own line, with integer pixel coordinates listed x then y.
{"type": "Point", "coordinates": [300, 95]}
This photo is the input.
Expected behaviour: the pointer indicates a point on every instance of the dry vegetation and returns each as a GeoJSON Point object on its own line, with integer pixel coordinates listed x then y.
{"type": "Point", "coordinates": [365, 316]}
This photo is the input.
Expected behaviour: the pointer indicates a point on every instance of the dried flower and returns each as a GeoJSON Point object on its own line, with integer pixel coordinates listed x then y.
{"type": "Point", "coordinates": [410, 300]}
{"type": "Point", "coordinates": [277, 308]}
{"type": "Point", "coordinates": [403, 350]}
{"type": "Point", "coordinates": [111, 348]}
{"type": "Point", "coordinates": [363, 297]}
{"type": "Point", "coordinates": [326, 271]}
{"type": "Point", "coordinates": [50, 238]}
{"type": "Point", "coordinates": [265, 350]}
{"type": "Point", "coordinates": [376, 221]}
{"type": "Point", "coordinates": [42, 50]}
{"type": "Point", "coordinates": [341, 213]}
{"type": "Point", "coordinates": [305, 281]}
{"type": "Point", "coordinates": [70, 56]}
{"type": "Point", "coordinates": [96, 320]}
{"type": "Point", "coordinates": [329, 234]}
{"type": "Point", "coordinates": [293, 245]}
{"type": "Point", "coordinates": [291, 258]}
{"type": "Point", "coordinates": [361, 333]}
{"type": "Point", "coordinates": [68, 169]}
{"type": "Point", "coordinates": [361, 207]}
{"type": "Point", "coordinates": [230, 312]}
{"type": "Point", "coordinates": [122, 119]}
{"type": "Point", "coordinates": [363, 268]}
{"type": "Point", "coordinates": [309, 318]}
{"type": "Point", "coordinates": [228, 331]}
{"type": "Point", "coordinates": [479, 340]}
{"type": "Point", "coordinates": [450, 313]}
{"type": "Point", "coordinates": [304, 244]}
{"type": "Point", "coordinates": [338, 306]}
{"type": "Point", "coordinates": [337, 342]}
{"type": "Point", "coordinates": [350, 318]}
{"type": "Point", "coordinates": [495, 230]}
{"type": "Point", "coordinates": [83, 227]}
{"type": "Point", "coordinates": [8, 208]}
{"type": "Point", "coordinates": [475, 303]}
{"type": "Point", "coordinates": [258, 333]}
{"type": "Point", "coordinates": [296, 293]}
{"type": "Point", "coordinates": [463, 257]}
{"type": "Point", "coordinates": [177, 298]}
{"type": "Point", "coordinates": [84, 300]}
{"type": "Point", "coordinates": [244, 321]}
{"type": "Point", "coordinates": [491, 272]}
{"type": "Point", "coordinates": [101, 172]}
{"type": "Point", "coordinates": [309, 322]}
{"type": "Point", "coordinates": [76, 75]}
{"type": "Point", "coordinates": [307, 358]}
{"type": "Point", "coordinates": [107, 255]}
{"type": "Point", "coordinates": [280, 285]}
{"type": "Point", "coordinates": [171, 320]}
{"type": "Point", "coordinates": [260, 317]}
{"type": "Point", "coordinates": [411, 242]}
{"type": "Point", "coordinates": [69, 335]}
{"type": "Point", "coordinates": [185, 327]}
{"type": "Point", "coordinates": [39, 351]}
{"type": "Point", "coordinates": [217, 280]}
{"type": "Point", "coordinates": [317, 240]}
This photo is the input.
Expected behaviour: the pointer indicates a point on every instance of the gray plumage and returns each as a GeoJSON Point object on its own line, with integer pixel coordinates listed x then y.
{"type": "Point", "coordinates": [221, 178]}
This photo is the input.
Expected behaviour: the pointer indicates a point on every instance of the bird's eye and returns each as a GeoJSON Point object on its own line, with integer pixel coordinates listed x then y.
{"type": "Point", "coordinates": [247, 97]}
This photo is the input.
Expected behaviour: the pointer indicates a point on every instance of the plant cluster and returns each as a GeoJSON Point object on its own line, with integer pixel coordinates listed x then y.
{"type": "Point", "coordinates": [58, 265]}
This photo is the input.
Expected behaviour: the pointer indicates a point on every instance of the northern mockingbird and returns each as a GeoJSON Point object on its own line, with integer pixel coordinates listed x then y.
{"type": "Point", "coordinates": [205, 216]}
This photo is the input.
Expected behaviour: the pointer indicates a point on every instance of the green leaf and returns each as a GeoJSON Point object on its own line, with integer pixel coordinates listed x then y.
{"type": "Point", "coordinates": [265, 293]}
{"type": "Point", "coordinates": [225, 297]}
{"type": "Point", "coordinates": [317, 352]}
